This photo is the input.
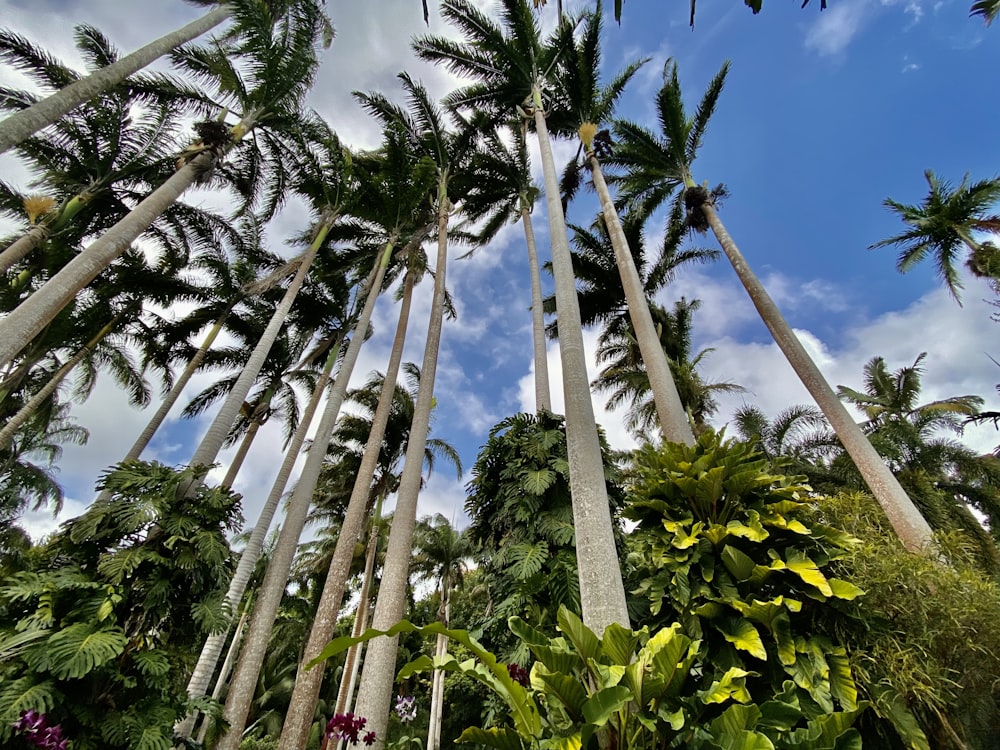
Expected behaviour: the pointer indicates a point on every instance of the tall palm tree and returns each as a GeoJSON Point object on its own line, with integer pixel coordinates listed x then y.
{"type": "Point", "coordinates": [624, 374]}
{"type": "Point", "coordinates": [512, 67]}
{"type": "Point", "coordinates": [401, 188]}
{"type": "Point", "coordinates": [503, 189]}
{"type": "Point", "coordinates": [944, 224]}
{"type": "Point", "coordinates": [278, 61]}
{"type": "Point", "coordinates": [449, 151]}
{"type": "Point", "coordinates": [74, 90]}
{"type": "Point", "coordinates": [441, 553]}
{"type": "Point", "coordinates": [656, 162]}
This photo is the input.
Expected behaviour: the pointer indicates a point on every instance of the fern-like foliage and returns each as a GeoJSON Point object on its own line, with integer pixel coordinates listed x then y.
{"type": "Point", "coordinates": [99, 633]}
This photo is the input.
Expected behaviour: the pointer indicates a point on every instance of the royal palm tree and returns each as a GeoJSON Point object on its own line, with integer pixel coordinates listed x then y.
{"type": "Point", "coordinates": [400, 187]}
{"type": "Point", "coordinates": [944, 225]}
{"type": "Point", "coordinates": [501, 190]}
{"type": "Point", "coordinates": [651, 161]}
{"type": "Point", "coordinates": [278, 62]}
{"type": "Point", "coordinates": [73, 90]}
{"type": "Point", "coordinates": [512, 68]}
{"type": "Point", "coordinates": [440, 553]}
{"type": "Point", "coordinates": [449, 151]}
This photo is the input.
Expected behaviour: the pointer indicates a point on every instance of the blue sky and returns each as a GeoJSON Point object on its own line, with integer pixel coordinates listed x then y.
{"type": "Point", "coordinates": [824, 115]}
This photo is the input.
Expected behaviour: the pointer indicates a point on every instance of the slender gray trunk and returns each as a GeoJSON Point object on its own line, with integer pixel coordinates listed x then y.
{"type": "Point", "coordinates": [269, 597]}
{"type": "Point", "coordinates": [378, 672]}
{"type": "Point", "coordinates": [904, 516]}
{"type": "Point", "coordinates": [10, 429]}
{"type": "Point", "coordinates": [353, 659]}
{"type": "Point", "coordinates": [437, 682]}
{"type": "Point", "coordinates": [22, 125]}
{"type": "Point", "coordinates": [227, 667]}
{"type": "Point", "coordinates": [161, 412]}
{"type": "Point", "coordinates": [28, 319]}
{"type": "Point", "coordinates": [542, 390]}
{"type": "Point", "coordinates": [23, 245]}
{"type": "Point", "coordinates": [216, 435]}
{"type": "Point", "coordinates": [673, 417]}
{"type": "Point", "coordinates": [209, 657]}
{"type": "Point", "coordinates": [602, 592]}
{"type": "Point", "coordinates": [308, 682]}
{"type": "Point", "coordinates": [237, 463]}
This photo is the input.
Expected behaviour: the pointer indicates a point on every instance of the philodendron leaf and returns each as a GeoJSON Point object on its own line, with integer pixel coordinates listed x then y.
{"type": "Point", "coordinates": [502, 738]}
{"type": "Point", "coordinates": [742, 634]}
{"type": "Point", "coordinates": [841, 680]}
{"type": "Point", "coordinates": [844, 590]}
{"type": "Point", "coordinates": [739, 564]}
{"type": "Point", "coordinates": [567, 689]}
{"type": "Point", "coordinates": [79, 649]}
{"type": "Point", "coordinates": [731, 685]}
{"type": "Point", "coordinates": [604, 703]}
{"type": "Point", "coordinates": [583, 639]}
{"type": "Point", "coordinates": [536, 482]}
{"type": "Point", "coordinates": [804, 568]}
{"type": "Point", "coordinates": [619, 644]}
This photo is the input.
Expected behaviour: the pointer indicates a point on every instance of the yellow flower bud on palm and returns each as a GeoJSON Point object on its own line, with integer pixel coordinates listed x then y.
{"type": "Point", "coordinates": [587, 132]}
{"type": "Point", "coordinates": [37, 206]}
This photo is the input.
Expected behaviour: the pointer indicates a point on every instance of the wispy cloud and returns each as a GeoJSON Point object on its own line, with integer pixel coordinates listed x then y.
{"type": "Point", "coordinates": [835, 28]}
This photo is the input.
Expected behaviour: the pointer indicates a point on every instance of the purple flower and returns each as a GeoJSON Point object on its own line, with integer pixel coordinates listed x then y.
{"type": "Point", "coordinates": [37, 731]}
{"type": "Point", "coordinates": [406, 708]}
{"type": "Point", "coordinates": [519, 674]}
{"type": "Point", "coordinates": [369, 739]}
{"type": "Point", "coordinates": [346, 727]}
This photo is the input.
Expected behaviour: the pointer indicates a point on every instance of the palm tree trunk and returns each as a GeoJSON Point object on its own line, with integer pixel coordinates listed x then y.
{"type": "Point", "coordinates": [22, 125]}
{"type": "Point", "coordinates": [308, 682]}
{"type": "Point", "coordinates": [164, 408]}
{"type": "Point", "coordinates": [673, 418]}
{"type": "Point", "coordinates": [216, 435]}
{"type": "Point", "coordinates": [227, 667]}
{"type": "Point", "coordinates": [209, 656]}
{"type": "Point", "coordinates": [542, 399]}
{"type": "Point", "coordinates": [23, 245]}
{"type": "Point", "coordinates": [602, 592]}
{"type": "Point", "coordinates": [36, 312]}
{"type": "Point", "coordinates": [353, 658]}
{"type": "Point", "coordinates": [437, 682]}
{"type": "Point", "coordinates": [378, 672]}
{"type": "Point", "coordinates": [14, 423]}
{"type": "Point", "coordinates": [255, 647]}
{"type": "Point", "coordinates": [237, 463]}
{"type": "Point", "coordinates": [909, 525]}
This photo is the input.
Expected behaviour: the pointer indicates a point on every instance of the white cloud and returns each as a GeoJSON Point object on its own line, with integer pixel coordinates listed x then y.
{"type": "Point", "coordinates": [835, 27]}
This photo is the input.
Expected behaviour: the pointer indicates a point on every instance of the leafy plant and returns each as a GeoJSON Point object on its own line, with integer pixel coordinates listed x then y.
{"type": "Point", "coordinates": [100, 635]}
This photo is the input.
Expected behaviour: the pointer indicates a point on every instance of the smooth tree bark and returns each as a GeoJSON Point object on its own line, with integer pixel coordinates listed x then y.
{"type": "Point", "coordinates": [437, 681]}
{"type": "Point", "coordinates": [10, 429]}
{"type": "Point", "coordinates": [31, 316]}
{"type": "Point", "coordinates": [22, 246]}
{"type": "Point", "coordinates": [168, 403]}
{"type": "Point", "coordinates": [227, 667]}
{"type": "Point", "coordinates": [23, 124]}
{"type": "Point", "coordinates": [911, 527]}
{"type": "Point", "coordinates": [217, 432]}
{"type": "Point", "coordinates": [543, 400]}
{"type": "Point", "coordinates": [378, 673]}
{"type": "Point", "coordinates": [352, 661]}
{"type": "Point", "coordinates": [244, 680]}
{"type": "Point", "coordinates": [209, 656]}
{"type": "Point", "coordinates": [241, 454]}
{"type": "Point", "coordinates": [308, 682]}
{"type": "Point", "coordinates": [674, 423]}
{"type": "Point", "coordinates": [602, 591]}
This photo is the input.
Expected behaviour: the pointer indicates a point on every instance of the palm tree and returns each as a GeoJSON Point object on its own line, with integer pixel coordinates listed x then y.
{"type": "Point", "coordinates": [74, 90]}
{"type": "Point", "coordinates": [449, 151]}
{"type": "Point", "coordinates": [512, 68]}
{"type": "Point", "coordinates": [503, 189]}
{"type": "Point", "coordinates": [625, 376]}
{"type": "Point", "coordinates": [440, 552]}
{"type": "Point", "coordinates": [987, 9]}
{"type": "Point", "coordinates": [279, 62]}
{"type": "Point", "coordinates": [401, 189]}
{"type": "Point", "coordinates": [655, 162]}
{"type": "Point", "coordinates": [944, 224]}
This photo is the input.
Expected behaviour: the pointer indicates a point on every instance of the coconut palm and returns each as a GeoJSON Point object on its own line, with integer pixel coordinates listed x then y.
{"type": "Point", "coordinates": [944, 225]}
{"type": "Point", "coordinates": [513, 69]}
{"type": "Point", "coordinates": [654, 162]}
{"type": "Point", "coordinates": [440, 553]}
{"type": "Point", "coordinates": [278, 62]}
{"type": "Point", "coordinates": [503, 189]}
{"type": "Point", "coordinates": [449, 151]}
{"type": "Point", "coordinates": [73, 90]}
